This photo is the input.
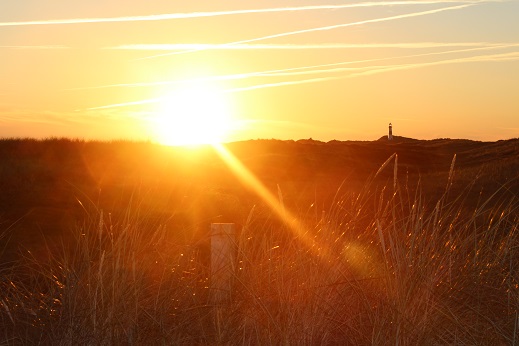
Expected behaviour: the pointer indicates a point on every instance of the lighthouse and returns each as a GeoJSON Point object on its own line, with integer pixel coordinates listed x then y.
{"type": "Point", "coordinates": [390, 134]}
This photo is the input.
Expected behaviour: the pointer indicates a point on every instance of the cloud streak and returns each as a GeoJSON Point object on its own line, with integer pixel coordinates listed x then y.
{"type": "Point", "coordinates": [126, 104]}
{"type": "Point", "coordinates": [362, 71]}
{"type": "Point", "coordinates": [313, 68]}
{"type": "Point", "coordinates": [12, 116]}
{"type": "Point", "coordinates": [172, 16]}
{"type": "Point", "coordinates": [329, 27]}
{"type": "Point", "coordinates": [35, 47]}
{"type": "Point", "coordinates": [514, 56]}
{"type": "Point", "coordinates": [206, 46]}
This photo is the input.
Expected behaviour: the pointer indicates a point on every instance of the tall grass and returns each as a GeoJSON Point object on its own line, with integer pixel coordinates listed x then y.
{"type": "Point", "coordinates": [382, 267]}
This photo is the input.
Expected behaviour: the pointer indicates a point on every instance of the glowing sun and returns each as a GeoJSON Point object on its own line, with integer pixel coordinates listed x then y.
{"type": "Point", "coordinates": [195, 115]}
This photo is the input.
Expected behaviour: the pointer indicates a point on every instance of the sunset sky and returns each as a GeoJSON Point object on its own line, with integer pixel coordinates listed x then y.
{"type": "Point", "coordinates": [267, 69]}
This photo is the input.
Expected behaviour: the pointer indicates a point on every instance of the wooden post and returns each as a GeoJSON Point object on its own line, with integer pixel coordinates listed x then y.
{"type": "Point", "coordinates": [223, 258]}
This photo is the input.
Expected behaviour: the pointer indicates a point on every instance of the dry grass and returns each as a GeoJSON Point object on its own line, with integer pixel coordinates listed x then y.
{"type": "Point", "coordinates": [381, 267]}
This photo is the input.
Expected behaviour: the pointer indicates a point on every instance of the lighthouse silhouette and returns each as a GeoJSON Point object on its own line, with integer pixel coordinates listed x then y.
{"type": "Point", "coordinates": [390, 134]}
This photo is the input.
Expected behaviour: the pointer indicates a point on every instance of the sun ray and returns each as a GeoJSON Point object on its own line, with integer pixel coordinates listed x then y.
{"type": "Point", "coordinates": [249, 180]}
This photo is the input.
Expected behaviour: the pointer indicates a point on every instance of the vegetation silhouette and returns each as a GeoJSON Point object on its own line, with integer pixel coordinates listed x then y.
{"type": "Point", "coordinates": [405, 241]}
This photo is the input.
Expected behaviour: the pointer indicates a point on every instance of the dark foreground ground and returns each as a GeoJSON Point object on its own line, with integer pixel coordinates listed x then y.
{"type": "Point", "coordinates": [49, 186]}
{"type": "Point", "coordinates": [351, 243]}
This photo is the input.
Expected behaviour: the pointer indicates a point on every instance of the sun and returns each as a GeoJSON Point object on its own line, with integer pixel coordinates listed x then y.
{"type": "Point", "coordinates": [198, 114]}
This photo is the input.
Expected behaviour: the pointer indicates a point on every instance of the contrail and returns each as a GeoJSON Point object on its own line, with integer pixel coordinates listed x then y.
{"type": "Point", "coordinates": [156, 100]}
{"type": "Point", "coordinates": [34, 47]}
{"type": "Point", "coordinates": [170, 16]}
{"type": "Point", "coordinates": [513, 56]}
{"type": "Point", "coordinates": [126, 104]}
{"type": "Point", "coordinates": [485, 58]}
{"type": "Point", "coordinates": [206, 46]}
{"type": "Point", "coordinates": [24, 117]}
{"type": "Point", "coordinates": [380, 69]}
{"type": "Point", "coordinates": [287, 72]}
{"type": "Point", "coordinates": [267, 73]}
{"type": "Point", "coordinates": [296, 70]}
{"type": "Point", "coordinates": [325, 28]}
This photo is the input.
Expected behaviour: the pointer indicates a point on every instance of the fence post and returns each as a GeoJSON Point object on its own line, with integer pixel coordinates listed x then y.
{"type": "Point", "coordinates": [223, 260]}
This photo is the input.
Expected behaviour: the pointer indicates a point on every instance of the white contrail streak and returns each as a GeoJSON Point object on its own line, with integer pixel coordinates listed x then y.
{"type": "Point", "coordinates": [513, 56]}
{"type": "Point", "coordinates": [170, 16]}
{"type": "Point", "coordinates": [325, 28]}
{"type": "Point", "coordinates": [126, 104]}
{"type": "Point", "coordinates": [34, 47]}
{"type": "Point", "coordinates": [291, 72]}
{"type": "Point", "coordinates": [300, 70]}
{"type": "Point", "coordinates": [23, 117]}
{"type": "Point", "coordinates": [206, 46]}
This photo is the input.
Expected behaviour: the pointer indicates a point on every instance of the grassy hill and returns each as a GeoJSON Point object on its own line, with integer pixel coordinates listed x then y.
{"type": "Point", "coordinates": [48, 186]}
{"type": "Point", "coordinates": [107, 242]}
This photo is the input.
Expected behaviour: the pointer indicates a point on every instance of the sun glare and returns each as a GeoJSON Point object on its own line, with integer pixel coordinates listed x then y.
{"type": "Point", "coordinates": [191, 116]}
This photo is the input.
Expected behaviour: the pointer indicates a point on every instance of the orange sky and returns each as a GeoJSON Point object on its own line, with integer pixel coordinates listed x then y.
{"type": "Point", "coordinates": [287, 69]}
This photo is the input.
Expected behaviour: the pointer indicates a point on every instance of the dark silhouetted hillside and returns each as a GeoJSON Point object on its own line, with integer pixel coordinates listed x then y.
{"type": "Point", "coordinates": [49, 186]}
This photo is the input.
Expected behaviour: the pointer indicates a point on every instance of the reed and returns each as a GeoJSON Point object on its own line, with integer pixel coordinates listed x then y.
{"type": "Point", "coordinates": [384, 266]}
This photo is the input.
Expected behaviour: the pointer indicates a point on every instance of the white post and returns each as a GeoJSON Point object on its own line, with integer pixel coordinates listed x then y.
{"type": "Point", "coordinates": [223, 257]}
